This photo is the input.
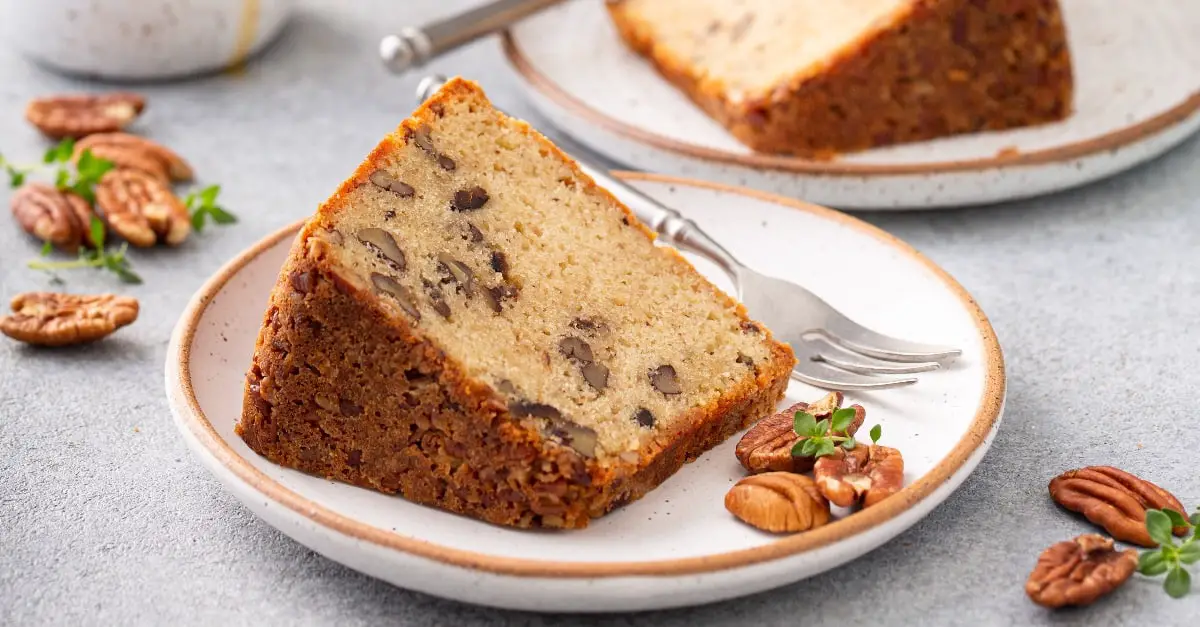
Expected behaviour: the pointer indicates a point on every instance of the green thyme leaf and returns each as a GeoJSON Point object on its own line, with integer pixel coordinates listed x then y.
{"type": "Point", "coordinates": [47, 248]}
{"type": "Point", "coordinates": [129, 276]}
{"type": "Point", "coordinates": [62, 179]}
{"type": "Point", "coordinates": [198, 219]}
{"type": "Point", "coordinates": [804, 423]}
{"type": "Point", "coordinates": [826, 447]}
{"type": "Point", "coordinates": [113, 261]}
{"type": "Point", "coordinates": [208, 195]}
{"type": "Point", "coordinates": [1195, 519]}
{"type": "Point", "coordinates": [808, 448]}
{"type": "Point", "coordinates": [1178, 583]}
{"type": "Point", "coordinates": [1189, 553]}
{"type": "Point", "coordinates": [1152, 563]}
{"type": "Point", "coordinates": [96, 227]}
{"type": "Point", "coordinates": [823, 427]}
{"type": "Point", "coordinates": [91, 167]}
{"type": "Point", "coordinates": [849, 444]}
{"type": "Point", "coordinates": [1158, 525]}
{"type": "Point", "coordinates": [202, 206]}
{"type": "Point", "coordinates": [841, 419]}
{"type": "Point", "coordinates": [60, 152]}
{"type": "Point", "coordinates": [1177, 519]}
{"type": "Point", "coordinates": [876, 433]}
{"type": "Point", "coordinates": [16, 178]}
{"type": "Point", "coordinates": [220, 216]}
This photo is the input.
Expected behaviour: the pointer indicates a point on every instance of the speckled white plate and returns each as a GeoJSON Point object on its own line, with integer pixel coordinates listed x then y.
{"type": "Point", "coordinates": [1137, 69]}
{"type": "Point", "coordinates": [677, 546]}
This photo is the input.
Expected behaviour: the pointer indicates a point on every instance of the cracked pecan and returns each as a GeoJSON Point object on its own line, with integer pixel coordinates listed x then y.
{"type": "Point", "coordinates": [80, 115]}
{"type": "Point", "coordinates": [869, 474]}
{"type": "Point", "coordinates": [136, 153]}
{"type": "Point", "coordinates": [142, 209]}
{"type": "Point", "coordinates": [1114, 500]}
{"type": "Point", "coordinates": [780, 502]}
{"type": "Point", "coordinates": [1079, 571]}
{"type": "Point", "coordinates": [49, 319]}
{"type": "Point", "coordinates": [51, 215]}
{"type": "Point", "coordinates": [767, 446]}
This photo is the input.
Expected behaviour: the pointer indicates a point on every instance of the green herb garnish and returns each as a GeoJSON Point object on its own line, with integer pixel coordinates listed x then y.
{"type": "Point", "coordinates": [113, 261]}
{"type": "Point", "coordinates": [1171, 558]}
{"type": "Point", "coordinates": [89, 169]}
{"type": "Point", "coordinates": [202, 205]}
{"type": "Point", "coordinates": [16, 174]}
{"type": "Point", "coordinates": [80, 179]}
{"type": "Point", "coordinates": [823, 437]}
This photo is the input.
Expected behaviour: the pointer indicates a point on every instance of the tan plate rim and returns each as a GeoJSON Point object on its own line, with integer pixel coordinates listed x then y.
{"type": "Point", "coordinates": [1110, 141]}
{"type": "Point", "coordinates": [985, 419]}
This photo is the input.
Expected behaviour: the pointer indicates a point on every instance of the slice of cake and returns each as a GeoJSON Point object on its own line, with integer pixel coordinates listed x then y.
{"type": "Point", "coordinates": [470, 323]}
{"type": "Point", "coordinates": [819, 77]}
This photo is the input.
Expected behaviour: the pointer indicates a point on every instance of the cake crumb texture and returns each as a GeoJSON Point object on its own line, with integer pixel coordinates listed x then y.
{"type": "Point", "coordinates": [471, 323]}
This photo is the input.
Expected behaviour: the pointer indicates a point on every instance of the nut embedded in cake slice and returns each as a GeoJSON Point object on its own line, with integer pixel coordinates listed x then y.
{"type": "Point", "coordinates": [470, 323]}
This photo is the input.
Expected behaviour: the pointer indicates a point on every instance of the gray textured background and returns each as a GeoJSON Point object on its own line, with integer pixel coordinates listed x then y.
{"type": "Point", "coordinates": [106, 519]}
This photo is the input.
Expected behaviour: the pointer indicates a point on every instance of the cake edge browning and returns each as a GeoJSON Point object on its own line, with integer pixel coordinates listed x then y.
{"type": "Point", "coordinates": [820, 115]}
{"type": "Point", "coordinates": [457, 448]}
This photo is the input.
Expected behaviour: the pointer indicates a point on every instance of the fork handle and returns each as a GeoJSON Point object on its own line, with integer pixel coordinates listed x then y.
{"type": "Point", "coordinates": [667, 222]}
{"type": "Point", "coordinates": [672, 225]}
{"type": "Point", "coordinates": [413, 47]}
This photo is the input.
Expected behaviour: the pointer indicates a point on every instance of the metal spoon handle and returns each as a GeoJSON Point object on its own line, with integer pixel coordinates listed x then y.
{"type": "Point", "coordinates": [672, 225]}
{"type": "Point", "coordinates": [413, 47]}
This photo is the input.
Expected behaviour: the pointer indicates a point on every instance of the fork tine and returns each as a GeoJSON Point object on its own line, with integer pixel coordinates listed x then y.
{"type": "Point", "coordinates": [809, 369]}
{"type": "Point", "coordinates": [819, 375]}
{"type": "Point", "coordinates": [851, 335]}
{"type": "Point", "coordinates": [869, 365]}
{"type": "Point", "coordinates": [840, 357]}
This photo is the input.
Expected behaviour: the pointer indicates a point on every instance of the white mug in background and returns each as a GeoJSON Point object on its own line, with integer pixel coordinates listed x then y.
{"type": "Point", "coordinates": [141, 39]}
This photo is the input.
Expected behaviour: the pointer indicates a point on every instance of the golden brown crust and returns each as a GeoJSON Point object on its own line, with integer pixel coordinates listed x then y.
{"type": "Point", "coordinates": [944, 67]}
{"type": "Point", "coordinates": [339, 389]}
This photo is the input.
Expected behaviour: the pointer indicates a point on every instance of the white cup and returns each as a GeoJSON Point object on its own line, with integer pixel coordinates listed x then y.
{"type": "Point", "coordinates": [141, 39]}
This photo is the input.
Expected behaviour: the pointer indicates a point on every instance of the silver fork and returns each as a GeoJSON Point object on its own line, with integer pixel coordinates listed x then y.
{"type": "Point", "coordinates": [832, 351]}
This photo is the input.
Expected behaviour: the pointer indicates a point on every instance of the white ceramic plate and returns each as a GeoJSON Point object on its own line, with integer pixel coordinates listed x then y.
{"type": "Point", "coordinates": [1137, 69]}
{"type": "Point", "coordinates": [677, 546]}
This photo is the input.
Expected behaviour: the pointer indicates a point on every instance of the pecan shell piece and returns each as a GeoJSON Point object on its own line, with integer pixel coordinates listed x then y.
{"type": "Point", "coordinates": [779, 502]}
{"type": "Point", "coordinates": [1114, 500]}
{"type": "Point", "coordinates": [50, 319]}
{"type": "Point", "coordinates": [1079, 571]}
{"type": "Point", "coordinates": [51, 215]}
{"type": "Point", "coordinates": [767, 446]}
{"type": "Point", "coordinates": [79, 115]}
{"type": "Point", "coordinates": [142, 209]}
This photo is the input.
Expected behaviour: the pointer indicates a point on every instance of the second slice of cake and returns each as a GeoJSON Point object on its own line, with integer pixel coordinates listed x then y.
{"type": "Point", "coordinates": [820, 77]}
{"type": "Point", "coordinates": [469, 322]}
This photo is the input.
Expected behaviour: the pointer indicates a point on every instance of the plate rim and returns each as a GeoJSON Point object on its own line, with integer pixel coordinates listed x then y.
{"type": "Point", "coordinates": [1110, 141]}
{"type": "Point", "coordinates": [192, 417]}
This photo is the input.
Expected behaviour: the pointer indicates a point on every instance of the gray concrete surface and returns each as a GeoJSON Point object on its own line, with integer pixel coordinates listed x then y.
{"type": "Point", "coordinates": [106, 520]}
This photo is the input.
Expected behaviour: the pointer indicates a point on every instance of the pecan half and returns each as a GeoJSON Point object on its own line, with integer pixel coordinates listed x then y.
{"type": "Point", "coordinates": [767, 446]}
{"type": "Point", "coordinates": [51, 215]}
{"type": "Point", "coordinates": [1079, 571]}
{"type": "Point", "coordinates": [49, 319]}
{"type": "Point", "coordinates": [142, 209]}
{"type": "Point", "coordinates": [869, 474]}
{"type": "Point", "coordinates": [1114, 500]}
{"type": "Point", "coordinates": [79, 115]}
{"type": "Point", "coordinates": [780, 502]}
{"type": "Point", "coordinates": [137, 153]}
